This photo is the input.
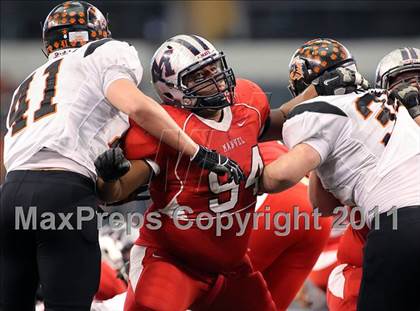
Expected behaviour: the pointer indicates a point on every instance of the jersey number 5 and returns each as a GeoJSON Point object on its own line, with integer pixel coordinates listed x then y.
{"type": "Point", "coordinates": [20, 104]}
{"type": "Point", "coordinates": [252, 180]}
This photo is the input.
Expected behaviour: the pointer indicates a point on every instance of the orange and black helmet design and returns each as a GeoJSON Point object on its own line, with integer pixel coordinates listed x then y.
{"type": "Point", "coordinates": [73, 24]}
{"type": "Point", "coordinates": [312, 59]}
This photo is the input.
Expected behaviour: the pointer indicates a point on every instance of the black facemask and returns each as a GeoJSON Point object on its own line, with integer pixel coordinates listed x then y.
{"type": "Point", "coordinates": [222, 98]}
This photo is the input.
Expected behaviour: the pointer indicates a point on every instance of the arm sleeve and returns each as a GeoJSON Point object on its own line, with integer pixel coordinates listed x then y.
{"type": "Point", "coordinates": [138, 144]}
{"type": "Point", "coordinates": [113, 60]}
{"type": "Point", "coordinates": [318, 130]}
{"type": "Point", "coordinates": [252, 94]}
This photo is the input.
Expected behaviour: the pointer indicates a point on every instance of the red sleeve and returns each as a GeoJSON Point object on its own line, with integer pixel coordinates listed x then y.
{"type": "Point", "coordinates": [250, 93]}
{"type": "Point", "coordinates": [139, 144]}
{"type": "Point", "coordinates": [271, 150]}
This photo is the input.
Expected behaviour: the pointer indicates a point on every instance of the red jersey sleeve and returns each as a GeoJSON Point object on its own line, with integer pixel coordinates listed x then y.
{"type": "Point", "coordinates": [271, 150]}
{"type": "Point", "coordinates": [250, 93]}
{"type": "Point", "coordinates": [138, 144]}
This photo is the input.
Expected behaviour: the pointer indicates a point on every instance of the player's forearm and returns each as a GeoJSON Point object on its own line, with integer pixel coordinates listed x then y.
{"type": "Point", "coordinates": [289, 168]}
{"type": "Point", "coordinates": [138, 175]}
{"type": "Point", "coordinates": [271, 183]}
{"type": "Point", "coordinates": [320, 198]}
{"type": "Point", "coordinates": [277, 176]}
{"type": "Point", "coordinates": [417, 119]}
{"type": "Point", "coordinates": [109, 191]}
{"type": "Point", "coordinates": [278, 116]}
{"type": "Point", "coordinates": [274, 131]}
{"type": "Point", "coordinates": [308, 93]}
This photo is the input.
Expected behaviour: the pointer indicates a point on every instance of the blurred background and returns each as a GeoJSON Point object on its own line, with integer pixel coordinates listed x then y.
{"type": "Point", "coordinates": [258, 37]}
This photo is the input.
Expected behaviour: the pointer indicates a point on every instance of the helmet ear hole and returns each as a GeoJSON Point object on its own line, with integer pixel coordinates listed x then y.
{"type": "Point", "coordinates": [168, 95]}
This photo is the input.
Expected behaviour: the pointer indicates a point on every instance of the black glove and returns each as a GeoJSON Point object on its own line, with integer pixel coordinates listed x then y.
{"type": "Point", "coordinates": [212, 161]}
{"type": "Point", "coordinates": [339, 81]}
{"type": "Point", "coordinates": [112, 164]}
{"type": "Point", "coordinates": [408, 95]}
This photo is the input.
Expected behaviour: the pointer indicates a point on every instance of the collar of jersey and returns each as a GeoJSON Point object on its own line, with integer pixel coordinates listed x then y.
{"type": "Point", "coordinates": [223, 125]}
{"type": "Point", "coordinates": [60, 53]}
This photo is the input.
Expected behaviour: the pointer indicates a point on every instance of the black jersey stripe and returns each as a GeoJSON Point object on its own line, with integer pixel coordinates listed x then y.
{"type": "Point", "coordinates": [318, 107]}
{"type": "Point", "coordinates": [188, 45]}
{"type": "Point", "coordinates": [91, 48]}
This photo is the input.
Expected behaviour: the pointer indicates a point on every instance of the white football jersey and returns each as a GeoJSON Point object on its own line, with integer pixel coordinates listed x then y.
{"type": "Point", "coordinates": [370, 154]}
{"type": "Point", "coordinates": [61, 107]}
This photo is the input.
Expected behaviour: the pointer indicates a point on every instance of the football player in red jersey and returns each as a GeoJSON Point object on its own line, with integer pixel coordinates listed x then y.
{"type": "Point", "coordinates": [198, 238]}
{"type": "Point", "coordinates": [183, 265]}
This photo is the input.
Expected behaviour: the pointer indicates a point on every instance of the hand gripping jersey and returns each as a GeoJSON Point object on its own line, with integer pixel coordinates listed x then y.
{"type": "Point", "coordinates": [62, 106]}
{"type": "Point", "coordinates": [183, 192]}
{"type": "Point", "coordinates": [369, 152]}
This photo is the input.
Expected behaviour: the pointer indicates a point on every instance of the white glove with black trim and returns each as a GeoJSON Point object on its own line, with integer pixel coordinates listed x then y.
{"type": "Point", "coordinates": [339, 81]}
{"type": "Point", "coordinates": [408, 95]}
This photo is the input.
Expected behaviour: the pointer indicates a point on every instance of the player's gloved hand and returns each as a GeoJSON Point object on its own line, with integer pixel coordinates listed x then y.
{"type": "Point", "coordinates": [408, 95]}
{"type": "Point", "coordinates": [212, 161]}
{"type": "Point", "coordinates": [339, 81]}
{"type": "Point", "coordinates": [112, 164]}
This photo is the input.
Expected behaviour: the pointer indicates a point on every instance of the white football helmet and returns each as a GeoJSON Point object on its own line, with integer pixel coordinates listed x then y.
{"type": "Point", "coordinates": [181, 56]}
{"type": "Point", "coordinates": [394, 63]}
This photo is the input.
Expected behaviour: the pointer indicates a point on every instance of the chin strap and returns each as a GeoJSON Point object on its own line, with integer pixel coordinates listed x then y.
{"type": "Point", "coordinates": [217, 101]}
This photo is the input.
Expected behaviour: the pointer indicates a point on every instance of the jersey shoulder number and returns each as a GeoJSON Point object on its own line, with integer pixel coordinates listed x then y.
{"type": "Point", "coordinates": [373, 107]}
{"type": "Point", "coordinates": [17, 118]}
